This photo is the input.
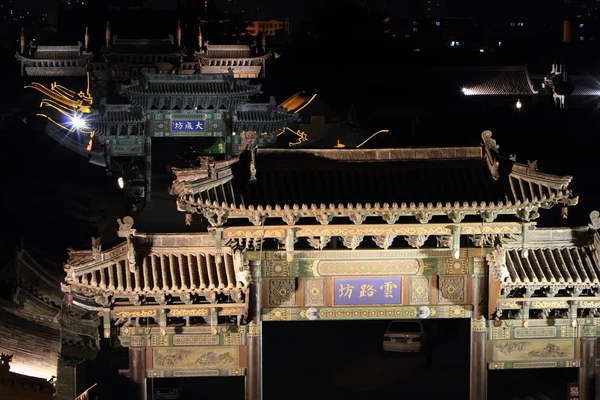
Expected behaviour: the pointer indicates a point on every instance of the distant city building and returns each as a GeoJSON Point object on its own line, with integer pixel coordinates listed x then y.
{"type": "Point", "coordinates": [269, 27]}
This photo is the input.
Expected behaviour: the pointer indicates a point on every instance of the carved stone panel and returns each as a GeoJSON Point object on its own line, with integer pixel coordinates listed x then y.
{"type": "Point", "coordinates": [419, 290]}
{"type": "Point", "coordinates": [314, 292]}
{"type": "Point", "coordinates": [451, 266]}
{"type": "Point", "coordinates": [278, 268]}
{"type": "Point", "coordinates": [452, 289]}
{"type": "Point", "coordinates": [282, 292]}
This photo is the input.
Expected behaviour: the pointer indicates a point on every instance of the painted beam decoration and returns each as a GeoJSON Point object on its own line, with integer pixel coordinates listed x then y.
{"type": "Point", "coordinates": [368, 291]}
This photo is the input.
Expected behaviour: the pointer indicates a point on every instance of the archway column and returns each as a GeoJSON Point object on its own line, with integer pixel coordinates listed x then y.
{"type": "Point", "coordinates": [478, 372]}
{"type": "Point", "coordinates": [137, 369]}
{"type": "Point", "coordinates": [587, 371]}
{"type": "Point", "coordinates": [254, 384]}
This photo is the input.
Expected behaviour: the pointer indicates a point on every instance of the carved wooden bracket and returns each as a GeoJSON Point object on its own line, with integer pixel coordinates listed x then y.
{"type": "Point", "coordinates": [456, 216]}
{"type": "Point", "coordinates": [215, 217]}
{"type": "Point", "coordinates": [416, 241]}
{"type": "Point", "coordinates": [357, 217]}
{"type": "Point", "coordinates": [319, 242]}
{"type": "Point", "coordinates": [423, 217]}
{"type": "Point", "coordinates": [352, 242]}
{"type": "Point", "coordinates": [384, 241]}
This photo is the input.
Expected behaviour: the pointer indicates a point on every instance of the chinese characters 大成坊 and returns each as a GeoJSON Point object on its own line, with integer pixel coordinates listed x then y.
{"type": "Point", "coordinates": [187, 126]}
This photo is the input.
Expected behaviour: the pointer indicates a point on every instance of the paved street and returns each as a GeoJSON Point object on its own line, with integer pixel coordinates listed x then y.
{"type": "Point", "coordinates": [326, 360]}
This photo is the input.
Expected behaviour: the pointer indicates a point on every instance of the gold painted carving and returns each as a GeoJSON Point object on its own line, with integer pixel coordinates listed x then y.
{"type": "Point", "coordinates": [506, 305]}
{"type": "Point", "coordinates": [452, 289]}
{"type": "Point", "coordinates": [375, 231]}
{"type": "Point", "coordinates": [589, 304]}
{"type": "Point", "coordinates": [550, 304]}
{"type": "Point", "coordinates": [235, 372]}
{"type": "Point", "coordinates": [568, 332]}
{"type": "Point", "coordinates": [368, 312]}
{"type": "Point", "coordinates": [254, 233]}
{"type": "Point", "coordinates": [535, 364]}
{"type": "Point", "coordinates": [369, 230]}
{"type": "Point", "coordinates": [282, 292]}
{"type": "Point", "coordinates": [419, 290]}
{"type": "Point", "coordinates": [135, 314]}
{"type": "Point", "coordinates": [536, 332]}
{"type": "Point", "coordinates": [589, 331]}
{"type": "Point", "coordinates": [232, 311]}
{"type": "Point", "coordinates": [254, 330]}
{"type": "Point", "coordinates": [188, 312]}
{"type": "Point", "coordinates": [314, 292]}
{"type": "Point", "coordinates": [479, 325]}
{"type": "Point", "coordinates": [367, 267]}
{"type": "Point", "coordinates": [195, 340]}
{"type": "Point", "coordinates": [137, 341]}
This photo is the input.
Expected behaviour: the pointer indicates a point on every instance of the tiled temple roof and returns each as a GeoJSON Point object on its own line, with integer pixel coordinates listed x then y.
{"type": "Point", "coordinates": [189, 85]}
{"type": "Point", "coordinates": [490, 81]}
{"type": "Point", "coordinates": [18, 386]}
{"type": "Point", "coordinates": [59, 53]}
{"type": "Point", "coordinates": [253, 117]}
{"type": "Point", "coordinates": [585, 86]}
{"type": "Point", "coordinates": [142, 46]}
{"type": "Point", "coordinates": [181, 266]}
{"type": "Point", "coordinates": [227, 51]}
{"type": "Point", "coordinates": [419, 182]}
{"type": "Point", "coordinates": [117, 113]}
{"type": "Point", "coordinates": [552, 257]}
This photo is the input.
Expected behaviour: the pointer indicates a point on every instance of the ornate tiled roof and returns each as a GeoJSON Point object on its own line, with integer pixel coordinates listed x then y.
{"type": "Point", "coordinates": [189, 91]}
{"type": "Point", "coordinates": [142, 46]}
{"type": "Point", "coordinates": [491, 81]}
{"type": "Point", "coordinates": [117, 113]}
{"type": "Point", "coordinates": [418, 182]}
{"type": "Point", "coordinates": [551, 258]}
{"type": "Point", "coordinates": [227, 51]}
{"type": "Point", "coordinates": [258, 117]}
{"type": "Point", "coordinates": [181, 266]}
{"type": "Point", "coordinates": [189, 85]}
{"type": "Point", "coordinates": [585, 86]}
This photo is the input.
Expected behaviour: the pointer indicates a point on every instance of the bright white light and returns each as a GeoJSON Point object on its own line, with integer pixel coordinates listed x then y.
{"type": "Point", "coordinates": [519, 105]}
{"type": "Point", "coordinates": [77, 122]}
{"type": "Point", "coordinates": [121, 182]}
{"type": "Point", "coordinates": [467, 92]}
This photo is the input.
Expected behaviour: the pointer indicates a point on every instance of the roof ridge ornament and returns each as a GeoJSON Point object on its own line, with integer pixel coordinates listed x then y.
{"type": "Point", "coordinates": [491, 150]}
{"type": "Point", "coordinates": [595, 220]}
{"type": "Point", "coordinates": [125, 227]}
{"type": "Point", "coordinates": [489, 142]}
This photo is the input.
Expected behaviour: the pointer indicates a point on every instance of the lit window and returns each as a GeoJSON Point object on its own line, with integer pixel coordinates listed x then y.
{"type": "Point", "coordinates": [512, 24]}
{"type": "Point", "coordinates": [499, 43]}
{"type": "Point", "coordinates": [581, 25]}
{"type": "Point", "coordinates": [437, 23]}
{"type": "Point", "coordinates": [452, 43]}
{"type": "Point", "coordinates": [521, 24]}
{"type": "Point", "coordinates": [581, 38]}
{"type": "Point", "coordinates": [481, 50]}
{"type": "Point", "coordinates": [414, 29]}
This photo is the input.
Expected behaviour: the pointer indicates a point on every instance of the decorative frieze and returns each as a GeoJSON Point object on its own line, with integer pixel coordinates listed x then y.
{"type": "Point", "coordinates": [282, 292]}
{"type": "Point", "coordinates": [452, 289]}
{"type": "Point", "coordinates": [314, 292]}
{"type": "Point", "coordinates": [419, 290]}
{"type": "Point", "coordinates": [196, 340]}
